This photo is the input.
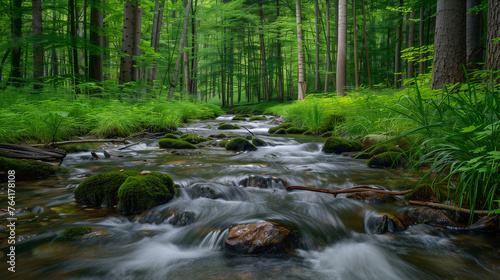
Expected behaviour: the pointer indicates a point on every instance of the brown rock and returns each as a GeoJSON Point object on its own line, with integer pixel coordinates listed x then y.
{"type": "Point", "coordinates": [260, 238]}
{"type": "Point", "coordinates": [486, 223]}
{"type": "Point", "coordinates": [428, 215]}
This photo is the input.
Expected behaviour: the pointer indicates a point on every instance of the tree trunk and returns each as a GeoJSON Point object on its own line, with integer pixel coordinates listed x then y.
{"type": "Point", "coordinates": [316, 63]}
{"type": "Point", "coordinates": [411, 43]}
{"type": "Point", "coordinates": [342, 48]}
{"type": "Point", "coordinates": [36, 9]}
{"type": "Point", "coordinates": [356, 74]}
{"type": "Point", "coordinates": [492, 49]}
{"type": "Point", "coordinates": [17, 25]}
{"type": "Point", "coordinates": [328, 53]}
{"type": "Point", "coordinates": [130, 41]}
{"type": "Point", "coordinates": [183, 41]}
{"type": "Point", "coordinates": [301, 77]}
{"type": "Point", "coordinates": [263, 54]}
{"type": "Point", "coordinates": [97, 40]}
{"type": "Point", "coordinates": [281, 82]}
{"type": "Point", "coordinates": [366, 47]}
{"type": "Point", "coordinates": [421, 69]}
{"type": "Point", "coordinates": [473, 43]}
{"type": "Point", "coordinates": [155, 37]}
{"type": "Point", "coordinates": [187, 78]}
{"type": "Point", "coordinates": [449, 44]}
{"type": "Point", "coordinates": [397, 54]}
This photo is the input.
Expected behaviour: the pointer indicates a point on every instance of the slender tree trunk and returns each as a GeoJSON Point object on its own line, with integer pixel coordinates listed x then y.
{"type": "Point", "coordinates": [183, 41]}
{"type": "Point", "coordinates": [411, 43]}
{"type": "Point", "coordinates": [194, 52]}
{"type": "Point", "coordinates": [366, 47]}
{"type": "Point", "coordinates": [342, 48]}
{"type": "Point", "coordinates": [17, 24]}
{"type": "Point", "coordinates": [493, 33]}
{"type": "Point", "coordinates": [301, 76]}
{"type": "Point", "coordinates": [473, 43]}
{"type": "Point", "coordinates": [74, 48]}
{"type": "Point", "coordinates": [421, 64]}
{"type": "Point", "coordinates": [397, 55]}
{"type": "Point", "coordinates": [97, 40]}
{"type": "Point", "coordinates": [281, 86]}
{"type": "Point", "coordinates": [328, 51]}
{"type": "Point", "coordinates": [316, 64]}
{"type": "Point", "coordinates": [356, 75]}
{"type": "Point", "coordinates": [37, 47]}
{"type": "Point", "coordinates": [130, 41]}
{"type": "Point", "coordinates": [155, 37]}
{"type": "Point", "coordinates": [449, 44]}
{"type": "Point", "coordinates": [263, 54]}
{"type": "Point", "coordinates": [187, 79]}
{"type": "Point", "coordinates": [2, 63]}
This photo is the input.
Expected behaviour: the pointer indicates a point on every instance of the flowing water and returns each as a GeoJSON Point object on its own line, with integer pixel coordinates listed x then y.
{"type": "Point", "coordinates": [336, 239]}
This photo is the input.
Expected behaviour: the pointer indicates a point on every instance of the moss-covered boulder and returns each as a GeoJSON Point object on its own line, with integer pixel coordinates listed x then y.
{"type": "Point", "coordinates": [219, 136]}
{"type": "Point", "coordinates": [193, 138]}
{"type": "Point", "coordinates": [257, 118]}
{"type": "Point", "coordinates": [139, 193]}
{"type": "Point", "coordinates": [171, 136]}
{"type": "Point", "coordinates": [228, 126]}
{"type": "Point", "coordinates": [223, 143]}
{"type": "Point", "coordinates": [239, 118]}
{"type": "Point", "coordinates": [167, 143]}
{"type": "Point", "coordinates": [240, 144]}
{"type": "Point", "coordinates": [328, 134]}
{"type": "Point", "coordinates": [280, 131]}
{"type": "Point", "coordinates": [283, 126]}
{"type": "Point", "coordinates": [388, 160]}
{"type": "Point", "coordinates": [384, 148]}
{"type": "Point", "coordinates": [258, 142]}
{"type": "Point", "coordinates": [25, 170]}
{"type": "Point", "coordinates": [102, 188]}
{"type": "Point", "coordinates": [340, 145]}
{"type": "Point", "coordinates": [329, 123]}
{"type": "Point", "coordinates": [309, 132]}
{"type": "Point", "coordinates": [296, 130]}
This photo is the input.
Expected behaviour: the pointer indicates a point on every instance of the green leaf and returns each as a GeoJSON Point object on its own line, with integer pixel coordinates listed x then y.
{"type": "Point", "coordinates": [468, 129]}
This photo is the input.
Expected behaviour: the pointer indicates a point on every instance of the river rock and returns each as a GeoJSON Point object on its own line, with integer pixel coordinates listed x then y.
{"type": "Point", "coordinates": [25, 170]}
{"type": "Point", "coordinates": [239, 144]}
{"type": "Point", "coordinates": [371, 197]}
{"type": "Point", "coordinates": [388, 160]}
{"type": "Point", "coordinates": [486, 223]}
{"type": "Point", "coordinates": [382, 223]}
{"type": "Point", "coordinates": [339, 145]}
{"type": "Point", "coordinates": [260, 238]}
{"type": "Point", "coordinates": [180, 219]}
{"type": "Point", "coordinates": [265, 182]}
{"type": "Point", "coordinates": [430, 216]}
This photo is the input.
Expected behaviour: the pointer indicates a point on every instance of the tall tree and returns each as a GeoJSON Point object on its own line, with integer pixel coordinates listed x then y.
{"type": "Point", "coordinates": [397, 55]}
{"type": "Point", "coordinates": [301, 76]}
{"type": "Point", "coordinates": [155, 36]}
{"type": "Point", "coordinates": [96, 40]}
{"type": "Point", "coordinates": [173, 83]}
{"type": "Point", "coordinates": [16, 34]}
{"type": "Point", "coordinates": [328, 52]}
{"type": "Point", "coordinates": [366, 46]}
{"type": "Point", "coordinates": [316, 64]}
{"type": "Point", "coordinates": [493, 33]}
{"type": "Point", "coordinates": [131, 40]}
{"type": "Point", "coordinates": [473, 42]}
{"type": "Point", "coordinates": [356, 76]}
{"type": "Point", "coordinates": [449, 43]}
{"type": "Point", "coordinates": [421, 41]}
{"type": "Point", "coordinates": [36, 8]}
{"type": "Point", "coordinates": [411, 44]}
{"type": "Point", "coordinates": [281, 82]}
{"type": "Point", "coordinates": [263, 53]}
{"type": "Point", "coordinates": [342, 48]}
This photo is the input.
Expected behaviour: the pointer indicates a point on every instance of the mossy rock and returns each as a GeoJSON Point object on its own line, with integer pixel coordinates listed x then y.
{"type": "Point", "coordinates": [329, 123]}
{"type": "Point", "coordinates": [220, 136]}
{"type": "Point", "coordinates": [166, 143]}
{"type": "Point", "coordinates": [192, 138]}
{"type": "Point", "coordinates": [171, 136]}
{"type": "Point", "coordinates": [328, 134]}
{"type": "Point", "coordinates": [388, 160]}
{"type": "Point", "coordinates": [228, 126]}
{"type": "Point", "coordinates": [309, 132]}
{"type": "Point", "coordinates": [258, 118]}
{"type": "Point", "coordinates": [283, 126]}
{"type": "Point", "coordinates": [222, 143]}
{"type": "Point", "coordinates": [403, 143]}
{"type": "Point", "coordinates": [280, 131]}
{"type": "Point", "coordinates": [384, 148]}
{"type": "Point", "coordinates": [238, 118]}
{"type": "Point", "coordinates": [296, 130]}
{"type": "Point", "coordinates": [240, 144]}
{"type": "Point", "coordinates": [340, 145]}
{"type": "Point", "coordinates": [75, 232]}
{"type": "Point", "coordinates": [26, 170]}
{"type": "Point", "coordinates": [258, 142]}
{"type": "Point", "coordinates": [102, 188]}
{"type": "Point", "coordinates": [140, 193]}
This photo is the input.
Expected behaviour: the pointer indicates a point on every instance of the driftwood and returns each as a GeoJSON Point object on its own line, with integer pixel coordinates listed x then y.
{"type": "Point", "coordinates": [447, 207]}
{"type": "Point", "coordinates": [350, 190]}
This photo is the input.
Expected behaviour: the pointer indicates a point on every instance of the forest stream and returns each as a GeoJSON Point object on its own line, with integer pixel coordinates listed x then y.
{"type": "Point", "coordinates": [337, 239]}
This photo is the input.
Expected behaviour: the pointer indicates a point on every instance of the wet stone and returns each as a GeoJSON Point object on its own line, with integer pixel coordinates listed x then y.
{"type": "Point", "coordinates": [371, 197]}
{"type": "Point", "coordinates": [430, 216]}
{"type": "Point", "coordinates": [265, 182]}
{"type": "Point", "coordinates": [383, 223]}
{"type": "Point", "coordinates": [207, 192]}
{"type": "Point", "coordinates": [180, 219]}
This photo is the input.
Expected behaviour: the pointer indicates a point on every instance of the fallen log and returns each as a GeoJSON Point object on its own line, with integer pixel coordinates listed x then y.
{"type": "Point", "coordinates": [350, 190]}
{"type": "Point", "coordinates": [27, 150]}
{"type": "Point", "coordinates": [447, 207]}
{"type": "Point", "coordinates": [80, 141]}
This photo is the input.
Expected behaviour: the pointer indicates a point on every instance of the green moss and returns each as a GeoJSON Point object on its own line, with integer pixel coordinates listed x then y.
{"type": "Point", "coordinates": [258, 118]}
{"type": "Point", "coordinates": [273, 129]}
{"type": "Point", "coordinates": [329, 123]}
{"type": "Point", "coordinates": [220, 136]}
{"type": "Point", "coordinates": [258, 142]}
{"type": "Point", "coordinates": [328, 134]}
{"type": "Point", "coordinates": [223, 143]}
{"type": "Point", "coordinates": [295, 130]}
{"type": "Point", "coordinates": [75, 232]}
{"type": "Point", "coordinates": [384, 148]}
{"type": "Point", "coordinates": [228, 126]}
{"type": "Point", "coordinates": [80, 147]}
{"type": "Point", "coordinates": [175, 144]}
{"type": "Point", "coordinates": [193, 138]}
{"type": "Point", "coordinates": [280, 131]}
{"type": "Point", "coordinates": [140, 193]}
{"type": "Point", "coordinates": [237, 118]}
{"type": "Point", "coordinates": [309, 132]}
{"type": "Point", "coordinates": [29, 169]}
{"type": "Point", "coordinates": [171, 136]}
{"type": "Point", "coordinates": [102, 188]}
{"type": "Point", "coordinates": [388, 160]}
{"type": "Point", "coordinates": [240, 144]}
{"type": "Point", "coordinates": [403, 143]}
{"type": "Point", "coordinates": [340, 145]}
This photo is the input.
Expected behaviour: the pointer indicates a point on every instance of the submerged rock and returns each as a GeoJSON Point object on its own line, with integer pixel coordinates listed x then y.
{"type": "Point", "coordinates": [80, 232]}
{"type": "Point", "coordinates": [260, 181]}
{"type": "Point", "coordinates": [430, 216]}
{"type": "Point", "coordinates": [383, 223]}
{"type": "Point", "coordinates": [371, 197]}
{"type": "Point", "coordinates": [180, 219]}
{"type": "Point", "coordinates": [258, 142]}
{"type": "Point", "coordinates": [260, 238]}
{"type": "Point", "coordinates": [239, 144]}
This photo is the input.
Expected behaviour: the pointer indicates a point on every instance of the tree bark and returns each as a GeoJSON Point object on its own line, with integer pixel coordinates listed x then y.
{"type": "Point", "coordinates": [492, 49]}
{"type": "Point", "coordinates": [397, 55]}
{"type": "Point", "coordinates": [356, 74]}
{"type": "Point", "coordinates": [131, 40]}
{"type": "Point", "coordinates": [155, 37]}
{"type": "Point", "coordinates": [36, 9]}
{"type": "Point", "coordinates": [316, 63]}
{"type": "Point", "coordinates": [473, 43]}
{"type": "Point", "coordinates": [17, 24]}
{"type": "Point", "coordinates": [97, 40]}
{"type": "Point", "coordinates": [281, 83]}
{"type": "Point", "coordinates": [301, 76]}
{"type": "Point", "coordinates": [183, 41]}
{"type": "Point", "coordinates": [421, 65]}
{"type": "Point", "coordinates": [328, 51]}
{"type": "Point", "coordinates": [366, 46]}
{"type": "Point", "coordinates": [263, 53]}
{"type": "Point", "coordinates": [411, 43]}
{"type": "Point", "coordinates": [449, 44]}
{"type": "Point", "coordinates": [342, 48]}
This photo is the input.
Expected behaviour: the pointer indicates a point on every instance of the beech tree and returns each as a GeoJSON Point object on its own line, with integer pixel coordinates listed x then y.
{"type": "Point", "coordinates": [301, 77]}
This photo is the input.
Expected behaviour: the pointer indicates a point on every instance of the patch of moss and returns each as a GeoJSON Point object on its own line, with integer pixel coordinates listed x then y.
{"type": "Point", "coordinates": [258, 118]}
{"type": "Point", "coordinates": [175, 144]}
{"type": "Point", "coordinates": [328, 134]}
{"type": "Point", "coordinates": [258, 142]}
{"type": "Point", "coordinates": [228, 126]}
{"type": "Point", "coordinates": [309, 132]}
{"type": "Point", "coordinates": [238, 118]}
{"type": "Point", "coordinates": [280, 131]}
{"type": "Point", "coordinates": [192, 138]}
{"type": "Point", "coordinates": [102, 188]}
{"type": "Point", "coordinates": [403, 143]}
{"type": "Point", "coordinates": [75, 232]}
{"type": "Point", "coordinates": [140, 193]}
{"type": "Point", "coordinates": [283, 126]}
{"type": "Point", "coordinates": [240, 144]}
{"type": "Point", "coordinates": [223, 143]}
{"type": "Point", "coordinates": [329, 123]}
{"type": "Point", "coordinates": [384, 148]}
{"type": "Point", "coordinates": [295, 130]}
{"type": "Point", "coordinates": [387, 160]}
{"type": "Point", "coordinates": [220, 136]}
{"type": "Point", "coordinates": [340, 145]}
{"type": "Point", "coordinates": [26, 170]}
{"type": "Point", "coordinates": [171, 136]}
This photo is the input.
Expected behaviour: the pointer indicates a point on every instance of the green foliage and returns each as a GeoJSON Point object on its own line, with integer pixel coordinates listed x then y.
{"type": "Point", "coordinates": [340, 145]}
{"type": "Point", "coordinates": [167, 143]}
{"type": "Point", "coordinates": [239, 144]}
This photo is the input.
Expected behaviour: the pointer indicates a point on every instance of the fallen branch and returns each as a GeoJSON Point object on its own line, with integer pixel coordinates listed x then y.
{"type": "Point", "coordinates": [447, 207]}
{"type": "Point", "coordinates": [248, 131]}
{"type": "Point", "coordinates": [350, 190]}
{"type": "Point", "coordinates": [128, 146]}
{"type": "Point", "coordinates": [81, 141]}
